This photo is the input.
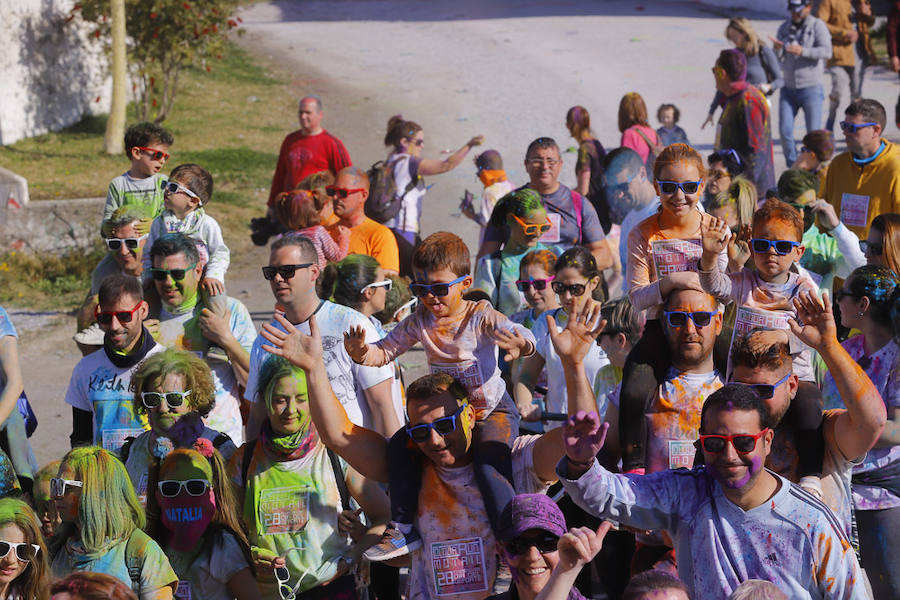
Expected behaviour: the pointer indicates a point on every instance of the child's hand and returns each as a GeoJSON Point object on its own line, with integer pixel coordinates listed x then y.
{"type": "Point", "coordinates": [343, 232]}
{"type": "Point", "coordinates": [682, 280]}
{"type": "Point", "coordinates": [584, 435]}
{"type": "Point", "coordinates": [355, 343]}
{"type": "Point", "coordinates": [818, 327]}
{"type": "Point", "coordinates": [215, 328]}
{"type": "Point", "coordinates": [825, 212]}
{"type": "Point", "coordinates": [142, 227]}
{"type": "Point", "coordinates": [714, 234]}
{"type": "Point", "coordinates": [213, 287]}
{"type": "Point", "coordinates": [739, 249]}
{"type": "Point", "coordinates": [512, 341]}
{"type": "Point", "coordinates": [350, 524]}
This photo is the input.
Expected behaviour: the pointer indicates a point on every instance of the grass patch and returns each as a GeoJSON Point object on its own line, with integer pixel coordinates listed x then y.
{"type": "Point", "coordinates": [47, 281]}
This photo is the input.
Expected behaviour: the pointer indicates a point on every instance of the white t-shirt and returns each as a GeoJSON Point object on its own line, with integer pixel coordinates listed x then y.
{"type": "Point", "coordinates": [556, 400]}
{"type": "Point", "coordinates": [348, 379]}
{"type": "Point", "coordinates": [206, 578]}
{"type": "Point", "coordinates": [406, 169]}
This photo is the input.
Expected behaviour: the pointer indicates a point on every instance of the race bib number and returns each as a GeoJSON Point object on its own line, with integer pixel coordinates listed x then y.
{"type": "Point", "coordinates": [681, 454]}
{"type": "Point", "coordinates": [552, 235]}
{"type": "Point", "coordinates": [459, 567]}
{"type": "Point", "coordinates": [183, 592]}
{"type": "Point", "coordinates": [283, 510]}
{"type": "Point", "coordinates": [675, 256]}
{"type": "Point", "coordinates": [114, 439]}
{"type": "Point", "coordinates": [468, 374]}
{"type": "Point", "coordinates": [854, 210]}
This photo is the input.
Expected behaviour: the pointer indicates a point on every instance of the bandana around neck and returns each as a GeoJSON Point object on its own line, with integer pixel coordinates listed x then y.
{"type": "Point", "coordinates": [489, 177]}
{"type": "Point", "coordinates": [292, 446]}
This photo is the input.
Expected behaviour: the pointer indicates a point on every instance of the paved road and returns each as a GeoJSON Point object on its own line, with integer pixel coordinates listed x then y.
{"type": "Point", "coordinates": [507, 68]}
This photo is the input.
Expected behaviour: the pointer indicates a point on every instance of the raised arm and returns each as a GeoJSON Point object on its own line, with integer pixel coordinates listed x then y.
{"type": "Point", "coordinates": [363, 449]}
{"type": "Point", "coordinates": [429, 166]}
{"type": "Point", "coordinates": [858, 428]}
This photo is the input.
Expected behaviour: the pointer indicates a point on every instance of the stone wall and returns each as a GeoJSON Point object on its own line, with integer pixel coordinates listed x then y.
{"type": "Point", "coordinates": [53, 74]}
{"type": "Point", "coordinates": [51, 225]}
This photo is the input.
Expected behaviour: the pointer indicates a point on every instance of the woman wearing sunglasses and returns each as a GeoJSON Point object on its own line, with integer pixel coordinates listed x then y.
{"type": "Point", "coordinates": [575, 281]}
{"type": "Point", "coordinates": [868, 301]}
{"type": "Point", "coordinates": [882, 245]}
{"type": "Point", "coordinates": [523, 214]}
{"type": "Point", "coordinates": [359, 282]}
{"type": "Point", "coordinates": [101, 525]}
{"type": "Point", "coordinates": [175, 390]}
{"type": "Point", "coordinates": [193, 514]}
{"type": "Point", "coordinates": [406, 140]}
{"type": "Point", "coordinates": [24, 572]}
{"type": "Point", "coordinates": [292, 490]}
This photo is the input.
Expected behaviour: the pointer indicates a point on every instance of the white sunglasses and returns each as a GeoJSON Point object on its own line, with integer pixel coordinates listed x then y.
{"type": "Point", "coordinates": [387, 283]}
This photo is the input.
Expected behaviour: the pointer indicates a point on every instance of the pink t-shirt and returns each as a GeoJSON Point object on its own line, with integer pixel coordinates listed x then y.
{"type": "Point", "coordinates": [632, 139]}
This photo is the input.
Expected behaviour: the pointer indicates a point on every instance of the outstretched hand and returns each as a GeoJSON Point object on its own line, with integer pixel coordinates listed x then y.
{"type": "Point", "coordinates": [355, 343]}
{"type": "Point", "coordinates": [583, 436]}
{"type": "Point", "coordinates": [573, 343]}
{"type": "Point", "coordinates": [304, 351]}
{"type": "Point", "coordinates": [818, 328]}
{"type": "Point", "coordinates": [510, 340]}
{"type": "Point", "coordinates": [714, 234]}
{"type": "Point", "coordinates": [580, 545]}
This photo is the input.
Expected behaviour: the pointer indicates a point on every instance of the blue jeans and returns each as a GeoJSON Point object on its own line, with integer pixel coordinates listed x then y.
{"type": "Point", "coordinates": [791, 100]}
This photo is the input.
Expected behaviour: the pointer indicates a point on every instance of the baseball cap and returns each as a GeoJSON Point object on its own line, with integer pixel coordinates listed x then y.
{"type": "Point", "coordinates": [797, 4]}
{"type": "Point", "coordinates": [531, 511]}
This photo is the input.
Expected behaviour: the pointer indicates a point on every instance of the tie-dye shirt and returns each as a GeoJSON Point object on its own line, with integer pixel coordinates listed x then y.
{"type": "Point", "coordinates": [745, 126]}
{"type": "Point", "coordinates": [792, 539]}
{"type": "Point", "coordinates": [883, 368]}
{"type": "Point", "coordinates": [458, 554]}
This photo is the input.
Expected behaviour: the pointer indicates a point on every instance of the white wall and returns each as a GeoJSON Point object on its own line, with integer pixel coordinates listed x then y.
{"type": "Point", "coordinates": [51, 73]}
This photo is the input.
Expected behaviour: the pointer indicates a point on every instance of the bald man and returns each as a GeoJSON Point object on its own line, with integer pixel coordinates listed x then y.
{"type": "Point", "coordinates": [308, 150]}
{"type": "Point", "coordinates": [349, 194]}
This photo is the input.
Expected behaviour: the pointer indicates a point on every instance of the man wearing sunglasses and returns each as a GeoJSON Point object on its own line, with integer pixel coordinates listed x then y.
{"type": "Point", "coordinates": [125, 245]}
{"type": "Point", "coordinates": [223, 341]}
{"type": "Point", "coordinates": [349, 194]}
{"type": "Point", "coordinates": [308, 150]}
{"type": "Point", "coordinates": [366, 393]}
{"type": "Point", "coordinates": [730, 520]}
{"type": "Point", "coordinates": [102, 403]}
{"type": "Point", "coordinates": [864, 181]}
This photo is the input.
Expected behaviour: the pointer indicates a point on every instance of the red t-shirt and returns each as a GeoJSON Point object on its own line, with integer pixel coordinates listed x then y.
{"type": "Point", "coordinates": [302, 155]}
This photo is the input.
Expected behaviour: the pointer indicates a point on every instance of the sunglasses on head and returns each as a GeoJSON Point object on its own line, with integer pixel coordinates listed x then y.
{"type": "Point", "coordinates": [336, 192]}
{"type": "Point", "coordinates": [435, 289]}
{"type": "Point", "coordinates": [782, 247]}
{"type": "Point", "coordinates": [173, 187]}
{"type": "Point", "coordinates": [870, 248]}
{"type": "Point", "coordinates": [576, 289]}
{"type": "Point", "coordinates": [172, 399]}
{"type": "Point", "coordinates": [154, 153]}
{"type": "Point", "coordinates": [286, 271]}
{"type": "Point", "coordinates": [679, 318]}
{"type": "Point", "coordinates": [743, 443]}
{"type": "Point", "coordinates": [115, 244]}
{"type": "Point", "coordinates": [177, 274]}
{"type": "Point", "coordinates": [443, 426]}
{"type": "Point", "coordinates": [58, 486]}
{"type": "Point", "coordinates": [539, 284]}
{"type": "Point", "coordinates": [124, 316]}
{"type": "Point", "coordinates": [170, 488]}
{"type": "Point", "coordinates": [545, 543]}
{"type": "Point", "coordinates": [387, 284]}
{"type": "Point", "coordinates": [764, 391]}
{"type": "Point", "coordinates": [848, 127]}
{"type": "Point", "coordinates": [25, 552]}
{"type": "Point", "coordinates": [670, 187]}
{"type": "Point", "coordinates": [531, 228]}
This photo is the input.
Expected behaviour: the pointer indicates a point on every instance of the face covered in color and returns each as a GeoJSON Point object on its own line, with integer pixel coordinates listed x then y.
{"type": "Point", "coordinates": [185, 515]}
{"type": "Point", "coordinates": [733, 470]}
{"type": "Point", "coordinates": [288, 408]}
{"type": "Point", "coordinates": [451, 450]}
{"type": "Point", "coordinates": [164, 417]}
{"type": "Point", "coordinates": [449, 304]}
{"type": "Point", "coordinates": [45, 509]}
{"type": "Point", "coordinates": [690, 343]}
{"type": "Point", "coordinates": [68, 503]}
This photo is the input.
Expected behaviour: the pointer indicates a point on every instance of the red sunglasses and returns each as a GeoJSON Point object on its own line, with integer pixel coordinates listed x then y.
{"type": "Point", "coordinates": [743, 442]}
{"type": "Point", "coordinates": [341, 192]}
{"type": "Point", "coordinates": [124, 316]}
{"type": "Point", "coordinates": [154, 153]}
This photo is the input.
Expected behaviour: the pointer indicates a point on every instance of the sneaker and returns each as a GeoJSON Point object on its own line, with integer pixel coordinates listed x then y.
{"type": "Point", "coordinates": [394, 544]}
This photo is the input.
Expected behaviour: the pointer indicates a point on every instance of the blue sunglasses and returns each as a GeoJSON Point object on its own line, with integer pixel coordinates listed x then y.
{"type": "Point", "coordinates": [678, 318]}
{"type": "Point", "coordinates": [764, 390]}
{"type": "Point", "coordinates": [443, 426]}
{"type": "Point", "coordinates": [435, 289]}
{"type": "Point", "coordinates": [782, 247]}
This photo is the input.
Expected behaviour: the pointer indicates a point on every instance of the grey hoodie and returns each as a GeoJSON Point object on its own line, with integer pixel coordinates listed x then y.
{"type": "Point", "coordinates": [808, 69]}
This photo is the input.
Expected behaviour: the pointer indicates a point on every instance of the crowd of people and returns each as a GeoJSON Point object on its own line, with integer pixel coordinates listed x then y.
{"type": "Point", "coordinates": [677, 380]}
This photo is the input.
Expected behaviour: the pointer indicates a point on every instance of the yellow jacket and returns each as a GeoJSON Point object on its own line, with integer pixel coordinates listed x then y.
{"type": "Point", "coordinates": [836, 14]}
{"type": "Point", "coordinates": [867, 190]}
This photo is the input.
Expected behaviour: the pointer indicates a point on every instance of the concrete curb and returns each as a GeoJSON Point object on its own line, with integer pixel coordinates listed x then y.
{"type": "Point", "coordinates": [51, 225]}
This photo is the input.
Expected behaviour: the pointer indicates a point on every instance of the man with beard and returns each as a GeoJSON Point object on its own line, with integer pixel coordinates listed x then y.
{"type": "Point", "coordinates": [102, 403]}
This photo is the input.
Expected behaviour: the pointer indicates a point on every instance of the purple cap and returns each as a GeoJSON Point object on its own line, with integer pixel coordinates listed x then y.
{"type": "Point", "coordinates": [531, 511]}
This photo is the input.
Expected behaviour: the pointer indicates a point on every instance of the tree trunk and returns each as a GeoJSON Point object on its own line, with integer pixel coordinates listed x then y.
{"type": "Point", "coordinates": [113, 142]}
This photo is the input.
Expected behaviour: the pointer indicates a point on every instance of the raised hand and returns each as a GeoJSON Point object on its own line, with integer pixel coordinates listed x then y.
{"type": "Point", "coordinates": [825, 212]}
{"type": "Point", "coordinates": [475, 141]}
{"type": "Point", "coordinates": [510, 340]}
{"type": "Point", "coordinates": [714, 234]}
{"type": "Point", "coordinates": [739, 249]}
{"type": "Point", "coordinates": [355, 343]}
{"type": "Point", "coordinates": [582, 329]}
{"type": "Point", "coordinates": [818, 328]}
{"type": "Point", "coordinates": [583, 435]}
{"type": "Point", "coordinates": [580, 545]}
{"type": "Point", "coordinates": [304, 351]}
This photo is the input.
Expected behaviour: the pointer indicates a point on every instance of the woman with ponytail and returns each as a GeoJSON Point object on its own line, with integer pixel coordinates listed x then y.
{"type": "Point", "coordinates": [293, 490]}
{"type": "Point", "coordinates": [523, 214]}
{"type": "Point", "coordinates": [193, 514]}
{"type": "Point", "coordinates": [870, 302]}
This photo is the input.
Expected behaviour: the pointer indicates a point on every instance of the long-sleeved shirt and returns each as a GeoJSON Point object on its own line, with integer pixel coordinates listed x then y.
{"type": "Point", "coordinates": [200, 227]}
{"type": "Point", "coordinates": [832, 254]}
{"type": "Point", "coordinates": [461, 345]}
{"type": "Point", "coordinates": [808, 69]}
{"type": "Point", "coordinates": [745, 126]}
{"type": "Point", "coordinates": [327, 248]}
{"type": "Point", "coordinates": [792, 539]}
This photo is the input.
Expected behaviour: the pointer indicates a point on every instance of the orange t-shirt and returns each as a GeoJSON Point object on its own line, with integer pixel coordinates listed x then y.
{"type": "Point", "coordinates": [373, 239]}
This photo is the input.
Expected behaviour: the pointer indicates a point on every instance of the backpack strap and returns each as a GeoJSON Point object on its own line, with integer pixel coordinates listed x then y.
{"type": "Point", "coordinates": [655, 147]}
{"type": "Point", "coordinates": [134, 557]}
{"type": "Point", "coordinates": [339, 479]}
{"type": "Point", "coordinates": [497, 272]}
{"type": "Point", "coordinates": [577, 201]}
{"type": "Point", "coordinates": [249, 448]}
{"type": "Point", "coordinates": [221, 439]}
